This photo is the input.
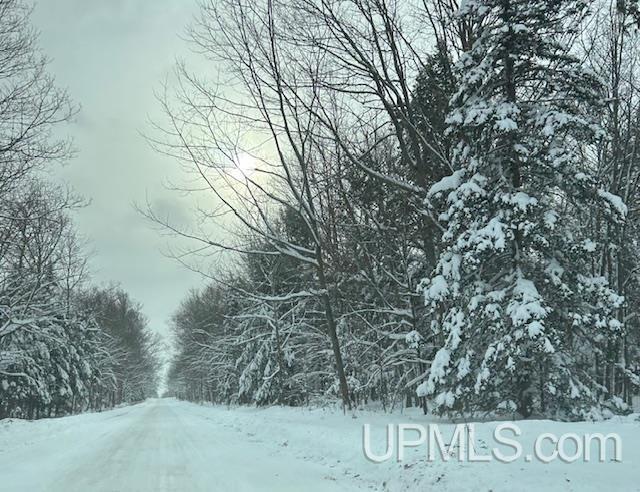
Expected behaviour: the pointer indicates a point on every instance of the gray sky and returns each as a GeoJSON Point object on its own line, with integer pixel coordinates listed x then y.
{"type": "Point", "coordinates": [111, 55]}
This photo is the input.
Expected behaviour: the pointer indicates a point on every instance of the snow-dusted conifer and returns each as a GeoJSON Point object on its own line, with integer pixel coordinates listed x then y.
{"type": "Point", "coordinates": [515, 300]}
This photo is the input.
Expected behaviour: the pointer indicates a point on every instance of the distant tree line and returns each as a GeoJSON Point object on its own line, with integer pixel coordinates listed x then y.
{"type": "Point", "coordinates": [423, 203]}
{"type": "Point", "coordinates": [64, 347]}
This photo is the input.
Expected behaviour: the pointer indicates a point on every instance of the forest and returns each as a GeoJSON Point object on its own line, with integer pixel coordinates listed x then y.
{"type": "Point", "coordinates": [399, 204]}
{"type": "Point", "coordinates": [66, 345]}
{"type": "Point", "coordinates": [410, 204]}
{"type": "Point", "coordinates": [319, 245]}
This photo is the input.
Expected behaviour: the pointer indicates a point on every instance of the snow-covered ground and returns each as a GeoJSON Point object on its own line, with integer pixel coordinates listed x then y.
{"type": "Point", "coordinates": [167, 445]}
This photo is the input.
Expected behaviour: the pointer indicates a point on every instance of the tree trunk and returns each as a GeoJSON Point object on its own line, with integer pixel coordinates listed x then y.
{"type": "Point", "coordinates": [333, 332]}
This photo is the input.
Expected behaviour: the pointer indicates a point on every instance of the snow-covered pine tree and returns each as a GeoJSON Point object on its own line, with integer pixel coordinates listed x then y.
{"type": "Point", "coordinates": [516, 304]}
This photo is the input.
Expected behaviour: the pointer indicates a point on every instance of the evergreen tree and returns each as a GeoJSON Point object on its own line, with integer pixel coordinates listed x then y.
{"type": "Point", "coordinates": [517, 305]}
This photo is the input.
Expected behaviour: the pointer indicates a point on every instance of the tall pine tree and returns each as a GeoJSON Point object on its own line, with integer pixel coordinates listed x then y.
{"type": "Point", "coordinates": [518, 309]}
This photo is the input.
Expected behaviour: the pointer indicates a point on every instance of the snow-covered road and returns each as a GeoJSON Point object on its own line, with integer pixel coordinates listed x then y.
{"type": "Point", "coordinates": [160, 445]}
{"type": "Point", "coordinates": [168, 445]}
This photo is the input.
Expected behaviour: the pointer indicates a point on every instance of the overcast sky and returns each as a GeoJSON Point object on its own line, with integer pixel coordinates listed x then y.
{"type": "Point", "coordinates": [111, 55]}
